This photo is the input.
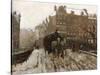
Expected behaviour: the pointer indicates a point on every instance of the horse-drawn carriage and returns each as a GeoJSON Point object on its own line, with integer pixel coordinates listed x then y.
{"type": "Point", "coordinates": [54, 43]}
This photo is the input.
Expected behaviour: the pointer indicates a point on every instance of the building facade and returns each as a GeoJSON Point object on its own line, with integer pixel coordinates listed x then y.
{"type": "Point", "coordinates": [73, 26]}
{"type": "Point", "coordinates": [15, 30]}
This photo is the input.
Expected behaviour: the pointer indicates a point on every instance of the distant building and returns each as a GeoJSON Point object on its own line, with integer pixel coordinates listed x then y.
{"type": "Point", "coordinates": [15, 30]}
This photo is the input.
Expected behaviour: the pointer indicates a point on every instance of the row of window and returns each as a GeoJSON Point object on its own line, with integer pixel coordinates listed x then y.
{"type": "Point", "coordinates": [78, 34]}
{"type": "Point", "coordinates": [92, 21]}
{"type": "Point", "coordinates": [60, 23]}
{"type": "Point", "coordinates": [76, 38]}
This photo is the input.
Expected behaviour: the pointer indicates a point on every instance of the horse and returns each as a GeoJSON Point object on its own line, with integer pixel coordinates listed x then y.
{"type": "Point", "coordinates": [50, 42]}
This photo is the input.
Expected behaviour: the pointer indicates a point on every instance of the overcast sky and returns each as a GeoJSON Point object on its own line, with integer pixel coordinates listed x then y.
{"type": "Point", "coordinates": [33, 13]}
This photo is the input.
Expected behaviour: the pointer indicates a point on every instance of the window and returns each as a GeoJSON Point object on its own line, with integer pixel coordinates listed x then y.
{"type": "Point", "coordinates": [60, 22]}
{"type": "Point", "coordinates": [91, 41]}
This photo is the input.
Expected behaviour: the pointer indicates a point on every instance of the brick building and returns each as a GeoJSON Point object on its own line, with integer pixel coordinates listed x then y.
{"type": "Point", "coordinates": [73, 26]}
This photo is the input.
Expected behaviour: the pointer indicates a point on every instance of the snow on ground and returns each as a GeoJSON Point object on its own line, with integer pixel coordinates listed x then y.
{"type": "Point", "coordinates": [32, 65]}
{"type": "Point", "coordinates": [39, 63]}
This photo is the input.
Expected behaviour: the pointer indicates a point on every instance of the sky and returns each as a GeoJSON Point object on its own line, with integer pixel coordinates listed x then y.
{"type": "Point", "coordinates": [33, 13]}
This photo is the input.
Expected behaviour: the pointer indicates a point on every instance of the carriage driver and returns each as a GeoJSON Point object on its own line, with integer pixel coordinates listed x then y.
{"type": "Point", "coordinates": [56, 33]}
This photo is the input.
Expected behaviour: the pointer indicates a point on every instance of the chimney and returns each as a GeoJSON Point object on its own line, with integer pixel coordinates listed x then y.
{"type": "Point", "coordinates": [82, 13]}
{"type": "Point", "coordinates": [55, 8]}
{"type": "Point", "coordinates": [72, 12]}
